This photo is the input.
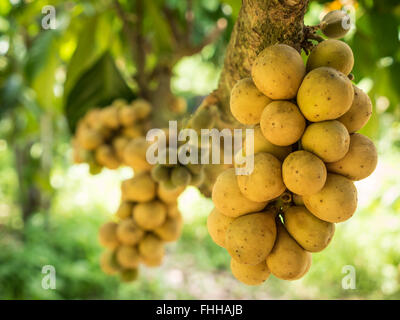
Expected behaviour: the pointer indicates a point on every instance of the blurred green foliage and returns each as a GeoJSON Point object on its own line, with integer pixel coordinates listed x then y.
{"type": "Point", "coordinates": [86, 61]}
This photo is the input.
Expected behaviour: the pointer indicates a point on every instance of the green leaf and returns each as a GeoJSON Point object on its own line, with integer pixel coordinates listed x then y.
{"type": "Point", "coordinates": [10, 92]}
{"type": "Point", "coordinates": [97, 87]}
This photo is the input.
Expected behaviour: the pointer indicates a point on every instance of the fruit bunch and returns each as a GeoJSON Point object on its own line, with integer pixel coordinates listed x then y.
{"type": "Point", "coordinates": [102, 135]}
{"type": "Point", "coordinates": [307, 154]}
{"type": "Point", "coordinates": [147, 218]}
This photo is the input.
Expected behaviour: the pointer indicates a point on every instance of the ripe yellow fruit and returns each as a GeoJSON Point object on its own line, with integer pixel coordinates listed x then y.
{"type": "Point", "coordinates": [282, 124]}
{"type": "Point", "coordinates": [105, 156]}
{"type": "Point", "coordinates": [329, 140]}
{"type": "Point", "coordinates": [229, 200]}
{"type": "Point", "coordinates": [278, 71]}
{"type": "Point", "coordinates": [133, 132]}
{"type": "Point", "coordinates": [359, 162]}
{"type": "Point", "coordinates": [119, 143]}
{"type": "Point", "coordinates": [170, 230]}
{"type": "Point", "coordinates": [169, 196]}
{"type": "Point", "coordinates": [287, 260]}
{"type": "Point", "coordinates": [303, 172]}
{"type": "Point", "coordinates": [150, 215]}
{"type": "Point", "coordinates": [108, 263]}
{"type": "Point", "coordinates": [135, 154]}
{"type": "Point", "coordinates": [359, 112]}
{"type": "Point", "coordinates": [335, 24]}
{"type": "Point", "coordinates": [109, 117]}
{"type": "Point", "coordinates": [127, 116]}
{"type": "Point", "coordinates": [140, 188]}
{"type": "Point", "coordinates": [331, 53]}
{"type": "Point", "coordinates": [247, 102]}
{"type": "Point", "coordinates": [336, 202]}
{"type": "Point", "coordinates": [108, 235]}
{"type": "Point", "coordinates": [151, 247]}
{"type": "Point", "coordinates": [151, 262]}
{"type": "Point", "coordinates": [251, 275]}
{"type": "Point", "coordinates": [217, 223]}
{"type": "Point", "coordinates": [129, 233]}
{"type": "Point", "coordinates": [250, 238]}
{"type": "Point", "coordinates": [311, 233]}
{"type": "Point", "coordinates": [325, 94]}
{"type": "Point", "coordinates": [125, 210]}
{"type": "Point", "coordinates": [127, 256]}
{"type": "Point", "coordinates": [265, 182]}
{"type": "Point", "coordinates": [89, 139]}
{"type": "Point", "coordinates": [142, 108]}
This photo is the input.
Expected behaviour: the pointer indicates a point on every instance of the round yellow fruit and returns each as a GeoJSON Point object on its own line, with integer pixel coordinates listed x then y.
{"type": "Point", "coordinates": [250, 238]}
{"type": "Point", "coordinates": [124, 210]}
{"type": "Point", "coordinates": [329, 140]}
{"type": "Point", "coordinates": [170, 230]}
{"type": "Point", "coordinates": [89, 139]}
{"type": "Point", "coordinates": [278, 71]}
{"type": "Point", "coordinates": [247, 102]}
{"type": "Point", "coordinates": [251, 275]}
{"type": "Point", "coordinates": [359, 162]}
{"type": "Point", "coordinates": [287, 260]}
{"type": "Point", "coordinates": [108, 235]}
{"type": "Point", "coordinates": [127, 256]}
{"type": "Point", "coordinates": [335, 202]}
{"type": "Point", "coordinates": [169, 196]}
{"type": "Point", "coordinates": [331, 53]}
{"type": "Point", "coordinates": [150, 215]}
{"type": "Point", "coordinates": [151, 247]}
{"type": "Point", "coordinates": [142, 108]}
{"type": "Point", "coordinates": [140, 188]}
{"type": "Point", "coordinates": [105, 156]}
{"type": "Point", "coordinates": [359, 112]}
{"type": "Point", "coordinates": [128, 232]}
{"type": "Point", "coordinates": [109, 117]}
{"type": "Point", "coordinates": [135, 154]}
{"type": "Point", "coordinates": [217, 223]}
{"type": "Point", "coordinates": [282, 124]}
{"type": "Point", "coordinates": [119, 144]}
{"type": "Point", "coordinates": [325, 94]}
{"type": "Point", "coordinates": [311, 233]}
{"type": "Point", "coordinates": [229, 200]}
{"type": "Point", "coordinates": [265, 182]}
{"type": "Point", "coordinates": [108, 263]}
{"type": "Point", "coordinates": [303, 172]}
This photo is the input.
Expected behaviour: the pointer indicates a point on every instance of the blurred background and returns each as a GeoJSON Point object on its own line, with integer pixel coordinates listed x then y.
{"type": "Point", "coordinates": [51, 209]}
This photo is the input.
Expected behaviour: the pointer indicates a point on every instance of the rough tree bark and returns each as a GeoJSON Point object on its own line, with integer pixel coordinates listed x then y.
{"type": "Point", "coordinates": [260, 23]}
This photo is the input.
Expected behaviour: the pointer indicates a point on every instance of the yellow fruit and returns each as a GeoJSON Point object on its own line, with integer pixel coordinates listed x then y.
{"type": "Point", "coordinates": [287, 260]}
{"type": "Point", "coordinates": [278, 71]}
{"type": "Point", "coordinates": [109, 117]}
{"type": "Point", "coordinates": [335, 24]}
{"type": "Point", "coordinates": [173, 211]}
{"type": "Point", "coordinates": [150, 215]}
{"type": "Point", "coordinates": [217, 223]}
{"type": "Point", "coordinates": [128, 232]}
{"type": "Point", "coordinates": [169, 196]}
{"type": "Point", "coordinates": [282, 124]}
{"type": "Point", "coordinates": [127, 115]}
{"type": "Point", "coordinates": [160, 173]}
{"type": "Point", "coordinates": [170, 230]}
{"type": "Point", "coordinates": [329, 140]}
{"type": "Point", "coordinates": [89, 139]}
{"type": "Point", "coordinates": [152, 262]}
{"type": "Point", "coordinates": [325, 94]}
{"type": "Point", "coordinates": [265, 182]}
{"type": "Point", "coordinates": [135, 154]}
{"type": "Point", "coordinates": [229, 200]}
{"type": "Point", "coordinates": [303, 173]}
{"type": "Point", "coordinates": [105, 156]}
{"type": "Point", "coordinates": [119, 144]}
{"type": "Point", "coordinates": [133, 132]}
{"type": "Point", "coordinates": [129, 275]}
{"type": "Point", "coordinates": [180, 176]}
{"type": "Point", "coordinates": [140, 188]}
{"type": "Point", "coordinates": [359, 113]}
{"type": "Point", "coordinates": [311, 233]}
{"type": "Point", "coordinates": [125, 210]}
{"type": "Point", "coordinates": [93, 118]}
{"type": "Point", "coordinates": [359, 162]}
{"type": "Point", "coordinates": [151, 247]}
{"type": "Point", "coordinates": [108, 263]}
{"type": "Point", "coordinates": [331, 53]}
{"type": "Point", "coordinates": [251, 275]}
{"type": "Point", "coordinates": [108, 235]}
{"type": "Point", "coordinates": [247, 102]}
{"type": "Point", "coordinates": [250, 238]}
{"type": "Point", "coordinates": [127, 257]}
{"type": "Point", "coordinates": [142, 108]}
{"type": "Point", "coordinates": [335, 202]}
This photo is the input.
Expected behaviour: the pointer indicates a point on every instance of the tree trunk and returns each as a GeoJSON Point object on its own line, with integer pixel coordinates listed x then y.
{"type": "Point", "coordinates": [260, 23]}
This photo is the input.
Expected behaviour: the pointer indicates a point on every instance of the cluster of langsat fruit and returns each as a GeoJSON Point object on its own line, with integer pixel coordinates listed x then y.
{"type": "Point", "coordinates": [106, 137]}
{"type": "Point", "coordinates": [146, 219]}
{"type": "Point", "coordinates": [306, 147]}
